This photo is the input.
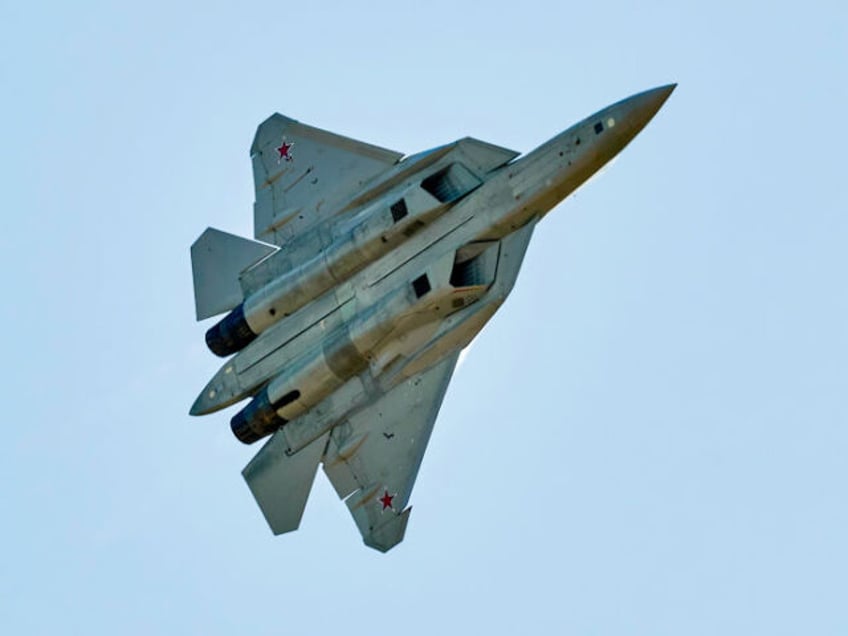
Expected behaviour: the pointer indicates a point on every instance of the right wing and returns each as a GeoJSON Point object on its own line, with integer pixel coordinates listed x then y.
{"type": "Point", "coordinates": [301, 173]}
{"type": "Point", "coordinates": [373, 458]}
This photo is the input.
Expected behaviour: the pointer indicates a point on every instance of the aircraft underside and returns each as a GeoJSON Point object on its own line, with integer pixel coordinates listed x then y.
{"type": "Point", "coordinates": [371, 272]}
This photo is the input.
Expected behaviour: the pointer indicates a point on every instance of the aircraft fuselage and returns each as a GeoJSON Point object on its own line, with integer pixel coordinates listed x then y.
{"type": "Point", "coordinates": [402, 279]}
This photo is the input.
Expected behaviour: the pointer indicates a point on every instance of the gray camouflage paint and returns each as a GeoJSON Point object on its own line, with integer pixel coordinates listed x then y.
{"type": "Point", "coordinates": [381, 277]}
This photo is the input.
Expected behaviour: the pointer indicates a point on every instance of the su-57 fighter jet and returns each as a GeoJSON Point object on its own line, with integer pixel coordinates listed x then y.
{"type": "Point", "coordinates": [370, 273]}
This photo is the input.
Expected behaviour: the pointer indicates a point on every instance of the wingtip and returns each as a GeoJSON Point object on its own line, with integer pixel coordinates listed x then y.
{"type": "Point", "coordinates": [388, 535]}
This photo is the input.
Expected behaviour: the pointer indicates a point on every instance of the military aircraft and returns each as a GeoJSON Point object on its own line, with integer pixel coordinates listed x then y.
{"type": "Point", "coordinates": [370, 273]}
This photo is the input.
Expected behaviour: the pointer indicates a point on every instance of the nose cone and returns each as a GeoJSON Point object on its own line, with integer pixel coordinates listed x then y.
{"type": "Point", "coordinates": [639, 109]}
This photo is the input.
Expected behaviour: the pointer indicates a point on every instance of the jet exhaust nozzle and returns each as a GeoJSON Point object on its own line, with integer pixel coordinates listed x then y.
{"type": "Point", "coordinates": [231, 334]}
{"type": "Point", "coordinates": [259, 418]}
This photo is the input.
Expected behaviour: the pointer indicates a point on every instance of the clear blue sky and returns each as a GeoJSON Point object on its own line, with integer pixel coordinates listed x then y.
{"type": "Point", "coordinates": [650, 438]}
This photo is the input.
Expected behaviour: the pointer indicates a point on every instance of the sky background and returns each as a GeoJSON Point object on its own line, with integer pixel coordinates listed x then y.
{"type": "Point", "coordinates": [650, 437]}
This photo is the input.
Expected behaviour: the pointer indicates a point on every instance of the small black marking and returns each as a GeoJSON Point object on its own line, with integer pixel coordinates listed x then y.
{"type": "Point", "coordinates": [421, 285]}
{"type": "Point", "coordinates": [388, 435]}
{"type": "Point", "coordinates": [399, 210]}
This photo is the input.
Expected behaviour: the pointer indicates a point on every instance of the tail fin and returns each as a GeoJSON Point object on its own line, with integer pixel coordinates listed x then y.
{"type": "Point", "coordinates": [280, 482]}
{"type": "Point", "coordinates": [217, 260]}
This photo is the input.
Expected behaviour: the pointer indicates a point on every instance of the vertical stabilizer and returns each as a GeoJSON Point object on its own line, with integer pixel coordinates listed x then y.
{"type": "Point", "coordinates": [217, 260]}
{"type": "Point", "coordinates": [281, 483]}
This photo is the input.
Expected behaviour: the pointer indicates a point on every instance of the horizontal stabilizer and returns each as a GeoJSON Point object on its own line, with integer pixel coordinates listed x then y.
{"type": "Point", "coordinates": [281, 483]}
{"type": "Point", "coordinates": [217, 260]}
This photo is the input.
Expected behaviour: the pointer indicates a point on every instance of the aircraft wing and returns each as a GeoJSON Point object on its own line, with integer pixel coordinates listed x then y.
{"type": "Point", "coordinates": [373, 458]}
{"type": "Point", "coordinates": [301, 173]}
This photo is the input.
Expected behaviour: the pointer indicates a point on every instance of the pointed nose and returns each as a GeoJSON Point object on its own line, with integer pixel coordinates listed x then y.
{"type": "Point", "coordinates": [639, 109]}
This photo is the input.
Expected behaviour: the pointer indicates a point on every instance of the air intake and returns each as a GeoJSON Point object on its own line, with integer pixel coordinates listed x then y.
{"type": "Point", "coordinates": [451, 183]}
{"type": "Point", "coordinates": [475, 264]}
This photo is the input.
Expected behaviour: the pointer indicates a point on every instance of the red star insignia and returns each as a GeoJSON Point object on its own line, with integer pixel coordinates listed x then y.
{"type": "Point", "coordinates": [386, 500]}
{"type": "Point", "coordinates": [284, 151]}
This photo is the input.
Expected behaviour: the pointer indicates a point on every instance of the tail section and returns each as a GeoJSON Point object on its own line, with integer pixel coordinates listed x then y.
{"type": "Point", "coordinates": [217, 261]}
{"type": "Point", "coordinates": [280, 482]}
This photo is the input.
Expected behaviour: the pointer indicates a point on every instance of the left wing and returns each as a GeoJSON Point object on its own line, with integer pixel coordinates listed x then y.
{"type": "Point", "coordinates": [300, 172]}
{"type": "Point", "coordinates": [372, 459]}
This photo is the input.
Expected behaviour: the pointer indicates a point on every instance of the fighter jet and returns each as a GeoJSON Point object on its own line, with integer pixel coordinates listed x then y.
{"type": "Point", "coordinates": [369, 274]}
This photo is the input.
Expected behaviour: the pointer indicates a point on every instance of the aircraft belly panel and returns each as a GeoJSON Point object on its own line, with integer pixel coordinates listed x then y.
{"type": "Point", "coordinates": [345, 335]}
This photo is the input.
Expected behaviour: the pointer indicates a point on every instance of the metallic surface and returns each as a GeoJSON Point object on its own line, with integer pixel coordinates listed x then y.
{"type": "Point", "coordinates": [374, 272]}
